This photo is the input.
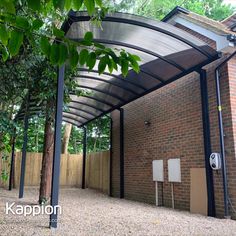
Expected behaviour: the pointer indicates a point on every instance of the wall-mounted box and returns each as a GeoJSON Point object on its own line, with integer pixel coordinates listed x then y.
{"type": "Point", "coordinates": [174, 170]}
{"type": "Point", "coordinates": [158, 170]}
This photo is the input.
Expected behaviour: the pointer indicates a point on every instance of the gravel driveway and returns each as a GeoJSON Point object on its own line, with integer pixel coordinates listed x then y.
{"type": "Point", "coordinates": [87, 212]}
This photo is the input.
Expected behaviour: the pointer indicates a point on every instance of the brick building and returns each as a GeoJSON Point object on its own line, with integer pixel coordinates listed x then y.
{"type": "Point", "coordinates": [168, 123]}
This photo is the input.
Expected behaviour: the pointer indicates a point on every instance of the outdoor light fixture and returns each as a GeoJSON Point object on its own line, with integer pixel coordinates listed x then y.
{"type": "Point", "coordinates": [147, 123]}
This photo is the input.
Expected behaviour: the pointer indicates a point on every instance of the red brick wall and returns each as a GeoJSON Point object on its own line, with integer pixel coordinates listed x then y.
{"type": "Point", "coordinates": [176, 132]}
{"type": "Point", "coordinates": [228, 95]}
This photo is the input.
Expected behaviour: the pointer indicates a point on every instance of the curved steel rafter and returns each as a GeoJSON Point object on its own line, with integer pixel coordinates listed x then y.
{"type": "Point", "coordinates": [71, 121]}
{"type": "Point", "coordinates": [101, 91]}
{"type": "Point", "coordinates": [80, 109]}
{"type": "Point", "coordinates": [115, 76]}
{"type": "Point", "coordinates": [158, 56]}
{"type": "Point", "coordinates": [82, 18]}
{"type": "Point", "coordinates": [65, 113]}
{"type": "Point", "coordinates": [88, 105]}
{"type": "Point", "coordinates": [108, 82]}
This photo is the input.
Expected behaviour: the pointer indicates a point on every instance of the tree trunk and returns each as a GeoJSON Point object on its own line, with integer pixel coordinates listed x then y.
{"type": "Point", "coordinates": [47, 160]}
{"type": "Point", "coordinates": [66, 138]}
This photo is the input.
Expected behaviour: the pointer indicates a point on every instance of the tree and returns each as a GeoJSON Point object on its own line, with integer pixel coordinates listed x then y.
{"type": "Point", "coordinates": [214, 9]}
{"type": "Point", "coordinates": [28, 25]}
{"type": "Point", "coordinates": [66, 138]}
{"type": "Point", "coordinates": [37, 23]}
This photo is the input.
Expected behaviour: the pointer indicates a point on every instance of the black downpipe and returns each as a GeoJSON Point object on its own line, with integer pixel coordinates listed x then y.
{"type": "Point", "coordinates": [111, 155]}
{"type": "Point", "coordinates": [207, 144]}
{"type": "Point", "coordinates": [221, 130]}
{"type": "Point", "coordinates": [122, 180]}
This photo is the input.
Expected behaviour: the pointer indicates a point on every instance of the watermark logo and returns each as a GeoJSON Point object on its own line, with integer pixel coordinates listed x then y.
{"type": "Point", "coordinates": [27, 210]}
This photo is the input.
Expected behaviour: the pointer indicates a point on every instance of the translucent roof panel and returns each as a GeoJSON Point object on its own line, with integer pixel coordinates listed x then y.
{"type": "Point", "coordinates": [167, 53]}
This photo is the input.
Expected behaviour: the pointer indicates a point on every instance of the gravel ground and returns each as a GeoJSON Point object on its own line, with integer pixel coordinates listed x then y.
{"type": "Point", "coordinates": [87, 212]}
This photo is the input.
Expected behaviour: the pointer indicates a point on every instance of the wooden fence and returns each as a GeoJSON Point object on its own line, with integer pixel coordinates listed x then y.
{"type": "Point", "coordinates": [97, 170]}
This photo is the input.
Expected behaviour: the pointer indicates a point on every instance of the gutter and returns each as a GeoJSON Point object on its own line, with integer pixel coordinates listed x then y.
{"type": "Point", "coordinates": [175, 11]}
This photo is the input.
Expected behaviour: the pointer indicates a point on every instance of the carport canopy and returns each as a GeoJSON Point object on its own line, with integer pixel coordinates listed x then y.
{"type": "Point", "coordinates": [167, 53]}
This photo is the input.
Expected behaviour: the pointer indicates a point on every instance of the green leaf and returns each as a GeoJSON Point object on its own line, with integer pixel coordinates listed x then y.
{"type": "Point", "coordinates": [114, 57]}
{"type": "Point", "coordinates": [77, 4]}
{"type": "Point", "coordinates": [74, 57]}
{"type": "Point", "coordinates": [114, 65]}
{"type": "Point", "coordinates": [63, 54]}
{"type": "Point", "coordinates": [22, 22]}
{"type": "Point", "coordinates": [4, 53]}
{"type": "Point", "coordinates": [34, 4]}
{"type": "Point", "coordinates": [3, 35]}
{"type": "Point", "coordinates": [135, 66]}
{"type": "Point", "coordinates": [68, 5]}
{"type": "Point", "coordinates": [90, 5]}
{"type": "Point", "coordinates": [60, 4]}
{"type": "Point", "coordinates": [45, 46]}
{"type": "Point", "coordinates": [83, 56]}
{"type": "Point", "coordinates": [15, 42]}
{"type": "Point", "coordinates": [58, 33]}
{"type": "Point", "coordinates": [91, 60]}
{"type": "Point", "coordinates": [133, 60]}
{"type": "Point", "coordinates": [110, 65]}
{"type": "Point", "coordinates": [102, 64]}
{"type": "Point", "coordinates": [124, 67]}
{"type": "Point", "coordinates": [99, 2]}
{"type": "Point", "coordinates": [88, 36]}
{"type": "Point", "coordinates": [9, 6]}
{"type": "Point", "coordinates": [135, 57]}
{"type": "Point", "coordinates": [54, 54]}
{"type": "Point", "coordinates": [37, 24]}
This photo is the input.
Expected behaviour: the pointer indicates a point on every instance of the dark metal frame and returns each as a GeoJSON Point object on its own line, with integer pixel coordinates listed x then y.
{"type": "Point", "coordinates": [115, 105]}
{"type": "Point", "coordinates": [113, 95]}
{"type": "Point", "coordinates": [80, 109]}
{"type": "Point", "coordinates": [115, 76]}
{"type": "Point", "coordinates": [111, 156]}
{"type": "Point", "coordinates": [207, 144]}
{"type": "Point", "coordinates": [70, 121]}
{"type": "Point", "coordinates": [88, 105]}
{"type": "Point", "coordinates": [99, 100]}
{"type": "Point", "coordinates": [113, 83]}
{"type": "Point", "coordinates": [11, 177]}
{"type": "Point", "coordinates": [24, 149]}
{"type": "Point", "coordinates": [57, 146]}
{"type": "Point", "coordinates": [74, 18]}
{"type": "Point", "coordinates": [84, 158]}
{"type": "Point", "coordinates": [197, 68]}
{"type": "Point", "coordinates": [112, 42]}
{"type": "Point", "coordinates": [122, 164]}
{"type": "Point", "coordinates": [67, 114]}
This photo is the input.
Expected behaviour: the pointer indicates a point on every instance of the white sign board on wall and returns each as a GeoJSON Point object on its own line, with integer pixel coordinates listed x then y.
{"type": "Point", "coordinates": [174, 170]}
{"type": "Point", "coordinates": [158, 170]}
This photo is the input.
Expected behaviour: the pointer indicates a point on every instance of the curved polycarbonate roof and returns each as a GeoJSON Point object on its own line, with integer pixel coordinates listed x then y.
{"type": "Point", "coordinates": [167, 53]}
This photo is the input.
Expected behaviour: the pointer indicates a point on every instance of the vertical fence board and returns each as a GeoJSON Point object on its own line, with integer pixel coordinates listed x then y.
{"type": "Point", "coordinates": [97, 170]}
